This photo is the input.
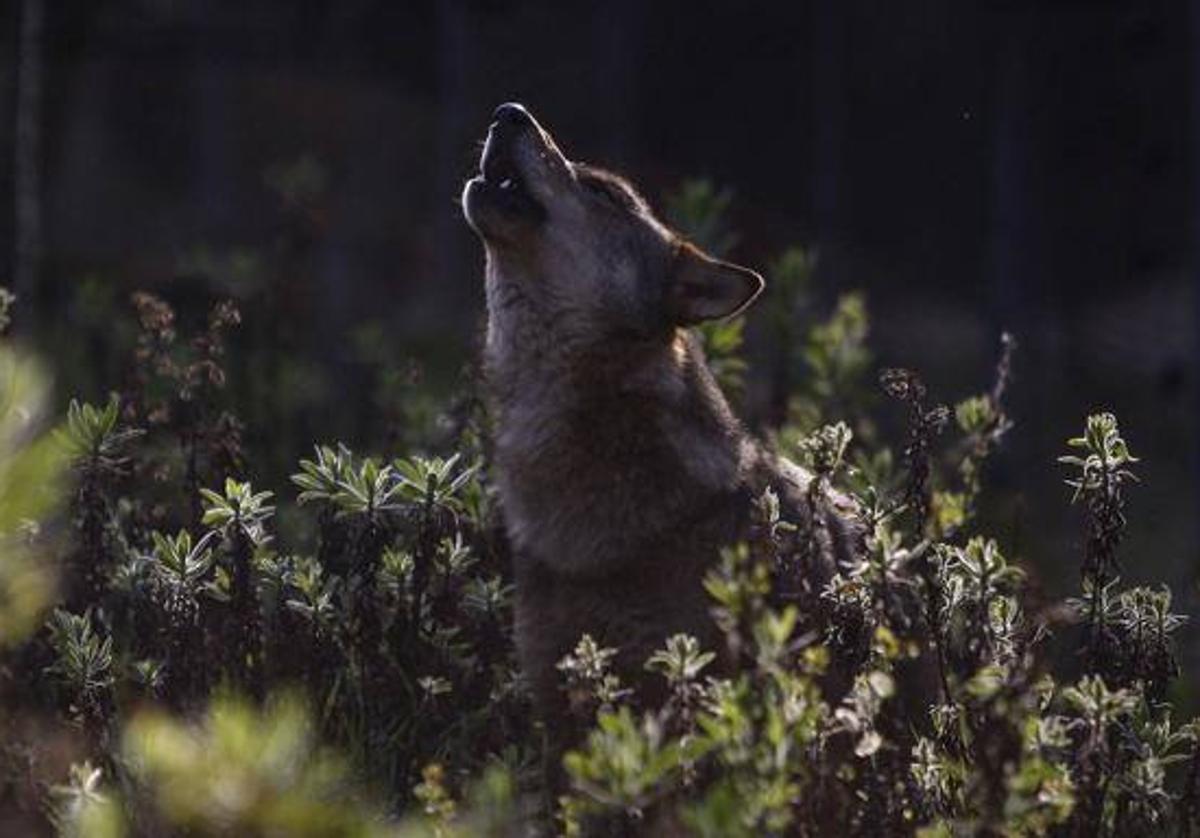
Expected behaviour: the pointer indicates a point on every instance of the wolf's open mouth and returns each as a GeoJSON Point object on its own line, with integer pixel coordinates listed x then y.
{"type": "Point", "coordinates": [502, 178]}
{"type": "Point", "coordinates": [499, 170]}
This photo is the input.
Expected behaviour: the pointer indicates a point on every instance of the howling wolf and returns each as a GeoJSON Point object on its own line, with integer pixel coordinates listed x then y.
{"type": "Point", "coordinates": [620, 467]}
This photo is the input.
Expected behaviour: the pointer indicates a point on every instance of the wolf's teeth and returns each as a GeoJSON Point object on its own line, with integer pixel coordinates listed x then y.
{"type": "Point", "coordinates": [506, 183]}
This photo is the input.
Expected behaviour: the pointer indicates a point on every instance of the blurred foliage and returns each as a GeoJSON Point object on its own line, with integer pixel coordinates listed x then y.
{"type": "Point", "coordinates": [32, 468]}
{"type": "Point", "coordinates": [244, 771]}
{"type": "Point", "coordinates": [700, 210]}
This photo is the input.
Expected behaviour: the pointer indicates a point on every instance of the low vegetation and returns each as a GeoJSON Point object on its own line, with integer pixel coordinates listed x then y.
{"type": "Point", "coordinates": [187, 652]}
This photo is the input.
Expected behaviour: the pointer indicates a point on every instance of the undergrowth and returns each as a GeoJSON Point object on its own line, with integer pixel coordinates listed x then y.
{"type": "Point", "coordinates": [208, 665]}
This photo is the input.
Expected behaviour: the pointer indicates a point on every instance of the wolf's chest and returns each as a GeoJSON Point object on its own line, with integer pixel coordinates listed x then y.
{"type": "Point", "coordinates": [589, 490]}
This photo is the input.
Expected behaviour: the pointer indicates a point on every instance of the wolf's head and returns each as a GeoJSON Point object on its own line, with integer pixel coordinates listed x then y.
{"type": "Point", "coordinates": [580, 247]}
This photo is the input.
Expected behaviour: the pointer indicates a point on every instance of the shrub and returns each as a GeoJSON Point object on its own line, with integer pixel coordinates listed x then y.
{"type": "Point", "coordinates": [226, 659]}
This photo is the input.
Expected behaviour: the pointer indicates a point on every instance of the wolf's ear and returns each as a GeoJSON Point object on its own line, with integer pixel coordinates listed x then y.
{"type": "Point", "coordinates": [702, 288]}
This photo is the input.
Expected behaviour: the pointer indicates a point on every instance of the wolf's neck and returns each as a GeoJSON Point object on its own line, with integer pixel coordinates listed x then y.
{"type": "Point", "coordinates": [556, 374]}
{"type": "Point", "coordinates": [542, 374]}
{"type": "Point", "coordinates": [668, 387]}
{"type": "Point", "coordinates": [601, 454]}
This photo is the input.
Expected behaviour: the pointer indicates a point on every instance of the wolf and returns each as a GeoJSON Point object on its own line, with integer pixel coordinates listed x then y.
{"type": "Point", "coordinates": [620, 468]}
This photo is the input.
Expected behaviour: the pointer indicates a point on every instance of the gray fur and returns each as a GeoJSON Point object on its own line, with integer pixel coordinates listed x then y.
{"type": "Point", "coordinates": [620, 467]}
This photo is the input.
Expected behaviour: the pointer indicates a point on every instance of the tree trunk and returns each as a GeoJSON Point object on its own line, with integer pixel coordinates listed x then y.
{"type": "Point", "coordinates": [455, 38]}
{"type": "Point", "coordinates": [27, 176]}
{"type": "Point", "coordinates": [829, 28]}
{"type": "Point", "coordinates": [1194, 143]}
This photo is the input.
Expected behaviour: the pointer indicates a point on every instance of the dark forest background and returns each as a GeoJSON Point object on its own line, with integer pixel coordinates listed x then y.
{"type": "Point", "coordinates": [973, 167]}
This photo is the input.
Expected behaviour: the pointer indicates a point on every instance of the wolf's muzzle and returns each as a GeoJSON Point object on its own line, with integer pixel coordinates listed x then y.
{"type": "Point", "coordinates": [498, 202]}
{"type": "Point", "coordinates": [512, 113]}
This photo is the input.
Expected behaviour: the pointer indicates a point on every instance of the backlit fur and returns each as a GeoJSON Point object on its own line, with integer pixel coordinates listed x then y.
{"type": "Point", "coordinates": [620, 466]}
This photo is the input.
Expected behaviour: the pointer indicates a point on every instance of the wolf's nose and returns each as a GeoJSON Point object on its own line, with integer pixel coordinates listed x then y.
{"type": "Point", "coordinates": [512, 112]}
